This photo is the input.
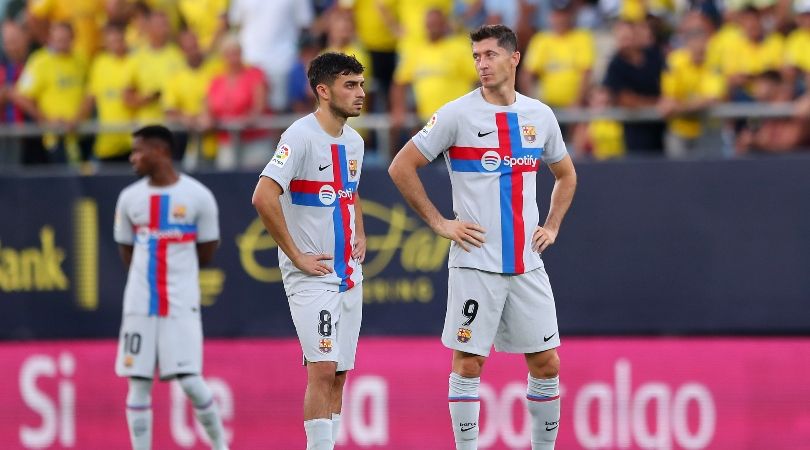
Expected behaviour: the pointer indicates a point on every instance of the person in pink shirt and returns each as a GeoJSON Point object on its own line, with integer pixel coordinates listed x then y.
{"type": "Point", "coordinates": [239, 96]}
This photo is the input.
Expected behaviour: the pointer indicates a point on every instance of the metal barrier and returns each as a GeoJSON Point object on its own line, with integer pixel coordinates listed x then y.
{"type": "Point", "coordinates": [381, 123]}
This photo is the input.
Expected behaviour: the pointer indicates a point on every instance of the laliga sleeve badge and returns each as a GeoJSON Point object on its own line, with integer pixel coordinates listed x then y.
{"type": "Point", "coordinates": [281, 155]}
{"type": "Point", "coordinates": [464, 335]}
{"type": "Point", "coordinates": [429, 125]}
{"type": "Point", "coordinates": [325, 345]}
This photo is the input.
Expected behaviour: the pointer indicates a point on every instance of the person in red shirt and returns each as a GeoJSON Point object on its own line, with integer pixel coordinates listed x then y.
{"type": "Point", "coordinates": [239, 97]}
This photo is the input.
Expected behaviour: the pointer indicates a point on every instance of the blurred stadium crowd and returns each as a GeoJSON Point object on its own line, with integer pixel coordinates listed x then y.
{"type": "Point", "coordinates": [202, 64]}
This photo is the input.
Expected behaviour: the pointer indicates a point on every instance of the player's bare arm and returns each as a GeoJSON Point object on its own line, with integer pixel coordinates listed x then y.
{"type": "Point", "coordinates": [565, 184]}
{"type": "Point", "coordinates": [359, 250]}
{"type": "Point", "coordinates": [205, 252]}
{"type": "Point", "coordinates": [267, 204]}
{"type": "Point", "coordinates": [403, 173]}
{"type": "Point", "coordinates": [125, 251]}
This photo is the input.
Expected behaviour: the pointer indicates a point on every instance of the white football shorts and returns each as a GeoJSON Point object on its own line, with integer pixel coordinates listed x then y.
{"type": "Point", "coordinates": [172, 344]}
{"type": "Point", "coordinates": [514, 312]}
{"type": "Point", "coordinates": [328, 324]}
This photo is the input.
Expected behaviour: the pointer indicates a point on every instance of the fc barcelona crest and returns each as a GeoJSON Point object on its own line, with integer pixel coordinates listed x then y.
{"type": "Point", "coordinates": [464, 335]}
{"type": "Point", "coordinates": [529, 133]}
{"type": "Point", "coordinates": [325, 345]}
{"type": "Point", "coordinates": [353, 168]}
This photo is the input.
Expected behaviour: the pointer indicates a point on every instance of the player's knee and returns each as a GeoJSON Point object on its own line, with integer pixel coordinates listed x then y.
{"type": "Point", "coordinates": [545, 365]}
{"type": "Point", "coordinates": [321, 373]}
{"type": "Point", "coordinates": [468, 366]}
{"type": "Point", "coordinates": [140, 392]}
{"type": "Point", "coordinates": [196, 390]}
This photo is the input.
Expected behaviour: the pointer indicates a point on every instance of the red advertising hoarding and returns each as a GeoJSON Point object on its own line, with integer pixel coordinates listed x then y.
{"type": "Point", "coordinates": [667, 394]}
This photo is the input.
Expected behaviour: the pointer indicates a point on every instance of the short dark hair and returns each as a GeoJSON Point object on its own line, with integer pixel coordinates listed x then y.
{"type": "Point", "coordinates": [327, 67]}
{"type": "Point", "coordinates": [158, 133]}
{"type": "Point", "coordinates": [505, 36]}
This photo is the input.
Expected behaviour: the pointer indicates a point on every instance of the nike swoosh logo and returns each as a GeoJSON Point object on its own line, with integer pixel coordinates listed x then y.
{"type": "Point", "coordinates": [546, 339]}
{"type": "Point", "coordinates": [324, 167]}
{"type": "Point", "coordinates": [552, 428]}
{"type": "Point", "coordinates": [467, 429]}
{"type": "Point", "coordinates": [480, 134]}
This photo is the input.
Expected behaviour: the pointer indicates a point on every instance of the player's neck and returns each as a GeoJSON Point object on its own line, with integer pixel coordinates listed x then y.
{"type": "Point", "coordinates": [329, 122]}
{"type": "Point", "coordinates": [503, 95]}
{"type": "Point", "coordinates": [164, 176]}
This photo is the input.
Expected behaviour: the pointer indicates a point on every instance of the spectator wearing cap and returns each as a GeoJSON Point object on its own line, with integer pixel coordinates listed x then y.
{"type": "Point", "coordinates": [634, 79]}
{"type": "Point", "coordinates": [753, 52]}
{"type": "Point", "coordinates": [153, 65]}
{"type": "Point", "coordinates": [688, 87]}
{"type": "Point", "coordinates": [797, 46]}
{"type": "Point", "coordinates": [558, 63]}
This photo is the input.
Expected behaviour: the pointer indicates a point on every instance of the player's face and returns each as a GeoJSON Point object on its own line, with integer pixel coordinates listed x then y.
{"type": "Point", "coordinates": [144, 157]}
{"type": "Point", "coordinates": [346, 96]}
{"type": "Point", "coordinates": [495, 64]}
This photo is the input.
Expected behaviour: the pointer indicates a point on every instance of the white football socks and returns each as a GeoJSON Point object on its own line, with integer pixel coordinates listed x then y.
{"type": "Point", "coordinates": [205, 409]}
{"type": "Point", "coordinates": [139, 413]}
{"type": "Point", "coordinates": [543, 395]}
{"type": "Point", "coordinates": [319, 434]}
{"type": "Point", "coordinates": [464, 408]}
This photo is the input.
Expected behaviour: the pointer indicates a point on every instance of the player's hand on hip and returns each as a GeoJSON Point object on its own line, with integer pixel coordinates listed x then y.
{"type": "Point", "coordinates": [542, 238]}
{"type": "Point", "coordinates": [313, 264]}
{"type": "Point", "coordinates": [462, 233]}
{"type": "Point", "coordinates": [359, 250]}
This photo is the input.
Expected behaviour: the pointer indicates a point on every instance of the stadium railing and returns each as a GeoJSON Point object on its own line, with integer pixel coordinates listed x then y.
{"type": "Point", "coordinates": [382, 125]}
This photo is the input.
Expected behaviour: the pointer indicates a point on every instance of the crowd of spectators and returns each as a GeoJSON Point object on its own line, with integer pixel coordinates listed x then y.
{"type": "Point", "coordinates": [202, 64]}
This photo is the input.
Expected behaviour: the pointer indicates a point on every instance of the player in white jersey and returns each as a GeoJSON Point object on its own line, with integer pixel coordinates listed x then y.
{"type": "Point", "coordinates": [307, 198]}
{"type": "Point", "coordinates": [166, 225]}
{"type": "Point", "coordinates": [493, 140]}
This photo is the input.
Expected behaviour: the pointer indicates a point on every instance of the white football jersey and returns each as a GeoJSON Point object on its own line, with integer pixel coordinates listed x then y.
{"type": "Point", "coordinates": [319, 175]}
{"type": "Point", "coordinates": [164, 225]}
{"type": "Point", "coordinates": [493, 154]}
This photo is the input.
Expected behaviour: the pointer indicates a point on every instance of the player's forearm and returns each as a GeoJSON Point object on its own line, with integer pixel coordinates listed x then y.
{"type": "Point", "coordinates": [561, 197]}
{"type": "Point", "coordinates": [359, 226]}
{"type": "Point", "coordinates": [412, 189]}
{"type": "Point", "coordinates": [273, 219]}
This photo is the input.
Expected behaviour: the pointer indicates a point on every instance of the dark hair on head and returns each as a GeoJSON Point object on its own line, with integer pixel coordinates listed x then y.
{"type": "Point", "coordinates": [157, 133]}
{"type": "Point", "coordinates": [327, 67]}
{"type": "Point", "coordinates": [770, 75]}
{"type": "Point", "coordinates": [505, 36]}
{"type": "Point", "coordinates": [117, 27]}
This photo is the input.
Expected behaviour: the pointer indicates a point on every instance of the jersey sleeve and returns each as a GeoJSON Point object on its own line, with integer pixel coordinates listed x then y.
{"type": "Point", "coordinates": [554, 149]}
{"type": "Point", "coordinates": [287, 160]}
{"type": "Point", "coordinates": [208, 219]}
{"type": "Point", "coordinates": [122, 226]}
{"type": "Point", "coordinates": [438, 134]}
{"type": "Point", "coordinates": [32, 80]}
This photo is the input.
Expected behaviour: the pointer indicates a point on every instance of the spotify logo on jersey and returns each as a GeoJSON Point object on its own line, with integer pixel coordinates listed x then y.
{"type": "Point", "coordinates": [491, 160]}
{"type": "Point", "coordinates": [327, 194]}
